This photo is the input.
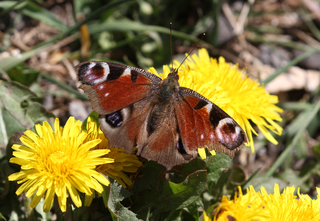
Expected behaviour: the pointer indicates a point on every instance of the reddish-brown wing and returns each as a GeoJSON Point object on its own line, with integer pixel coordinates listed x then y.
{"type": "Point", "coordinates": [201, 123]}
{"type": "Point", "coordinates": [163, 144]}
{"type": "Point", "coordinates": [122, 96]}
{"type": "Point", "coordinates": [111, 86]}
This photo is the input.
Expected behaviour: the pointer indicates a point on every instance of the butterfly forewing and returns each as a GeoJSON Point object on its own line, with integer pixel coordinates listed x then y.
{"type": "Point", "coordinates": [111, 87]}
{"type": "Point", "coordinates": [206, 125]}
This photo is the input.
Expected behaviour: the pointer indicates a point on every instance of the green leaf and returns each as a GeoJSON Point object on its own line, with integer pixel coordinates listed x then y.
{"type": "Point", "coordinates": [23, 74]}
{"type": "Point", "coordinates": [173, 215]}
{"type": "Point", "coordinates": [316, 151]}
{"type": "Point", "coordinates": [14, 139]}
{"type": "Point", "coordinates": [193, 209]}
{"type": "Point", "coordinates": [180, 195]}
{"type": "Point", "coordinates": [153, 192]}
{"type": "Point", "coordinates": [8, 126]}
{"type": "Point", "coordinates": [2, 217]}
{"type": "Point", "coordinates": [216, 165]}
{"type": "Point", "coordinates": [112, 196]}
{"type": "Point", "coordinates": [18, 100]}
{"type": "Point", "coordinates": [227, 183]}
{"type": "Point", "coordinates": [94, 116]}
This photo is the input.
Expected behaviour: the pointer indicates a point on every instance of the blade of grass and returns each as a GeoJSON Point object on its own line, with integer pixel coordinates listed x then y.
{"type": "Point", "coordinates": [310, 24]}
{"type": "Point", "coordinates": [41, 14]}
{"type": "Point", "coordinates": [313, 29]}
{"type": "Point", "coordinates": [295, 140]}
{"type": "Point", "coordinates": [294, 61]}
{"type": "Point", "coordinates": [11, 5]}
{"type": "Point", "coordinates": [258, 38]}
{"type": "Point", "coordinates": [8, 63]}
{"type": "Point", "coordinates": [295, 106]}
{"type": "Point", "coordinates": [127, 25]}
{"type": "Point", "coordinates": [120, 44]}
{"type": "Point", "coordinates": [216, 7]}
{"type": "Point", "coordinates": [64, 86]}
{"type": "Point", "coordinates": [294, 126]}
{"type": "Point", "coordinates": [250, 178]}
{"type": "Point", "coordinates": [34, 11]}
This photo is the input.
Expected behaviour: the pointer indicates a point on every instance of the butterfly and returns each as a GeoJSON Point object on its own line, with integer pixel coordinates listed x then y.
{"type": "Point", "coordinates": [167, 123]}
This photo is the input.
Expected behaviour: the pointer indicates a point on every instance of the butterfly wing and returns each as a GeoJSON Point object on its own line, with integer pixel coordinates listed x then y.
{"type": "Point", "coordinates": [112, 87]}
{"type": "Point", "coordinates": [121, 95]}
{"type": "Point", "coordinates": [203, 124]}
{"type": "Point", "coordinates": [161, 143]}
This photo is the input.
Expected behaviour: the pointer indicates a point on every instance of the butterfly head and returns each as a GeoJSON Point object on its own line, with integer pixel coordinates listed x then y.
{"type": "Point", "coordinates": [173, 79]}
{"type": "Point", "coordinates": [169, 86]}
{"type": "Point", "coordinates": [174, 74]}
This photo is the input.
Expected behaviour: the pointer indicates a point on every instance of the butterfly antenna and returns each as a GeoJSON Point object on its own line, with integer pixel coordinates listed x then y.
{"type": "Point", "coordinates": [192, 50]}
{"type": "Point", "coordinates": [171, 44]}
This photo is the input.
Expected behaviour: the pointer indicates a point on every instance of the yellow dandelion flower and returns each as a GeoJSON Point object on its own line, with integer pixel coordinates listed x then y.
{"type": "Point", "coordinates": [205, 216]}
{"type": "Point", "coordinates": [270, 207]}
{"type": "Point", "coordinates": [287, 207]}
{"type": "Point", "coordinates": [226, 86]}
{"type": "Point", "coordinates": [58, 163]}
{"type": "Point", "coordinates": [242, 208]}
{"type": "Point", "coordinates": [123, 162]}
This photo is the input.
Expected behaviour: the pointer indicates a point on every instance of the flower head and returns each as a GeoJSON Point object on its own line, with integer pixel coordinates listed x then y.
{"type": "Point", "coordinates": [263, 206]}
{"type": "Point", "coordinates": [286, 206]}
{"type": "Point", "coordinates": [243, 207]}
{"type": "Point", "coordinates": [58, 163]}
{"type": "Point", "coordinates": [226, 86]}
{"type": "Point", "coordinates": [123, 162]}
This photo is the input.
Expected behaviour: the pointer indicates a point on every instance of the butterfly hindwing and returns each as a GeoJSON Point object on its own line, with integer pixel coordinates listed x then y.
{"type": "Point", "coordinates": [161, 143]}
{"type": "Point", "coordinates": [122, 128]}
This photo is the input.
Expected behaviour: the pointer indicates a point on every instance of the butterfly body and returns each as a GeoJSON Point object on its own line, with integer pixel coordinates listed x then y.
{"type": "Point", "coordinates": [167, 123]}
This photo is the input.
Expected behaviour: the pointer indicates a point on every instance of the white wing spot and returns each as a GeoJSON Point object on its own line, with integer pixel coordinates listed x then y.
{"type": "Point", "coordinates": [126, 71]}
{"type": "Point", "coordinates": [106, 70]}
{"type": "Point", "coordinates": [208, 107]}
{"type": "Point", "coordinates": [125, 113]}
{"type": "Point", "coordinates": [225, 121]}
{"type": "Point", "coordinates": [101, 86]}
{"type": "Point", "coordinates": [91, 65]}
{"type": "Point", "coordinates": [237, 131]}
{"type": "Point", "coordinates": [222, 123]}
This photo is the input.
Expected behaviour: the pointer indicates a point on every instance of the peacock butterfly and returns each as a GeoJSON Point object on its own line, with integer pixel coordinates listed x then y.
{"type": "Point", "coordinates": [167, 123]}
